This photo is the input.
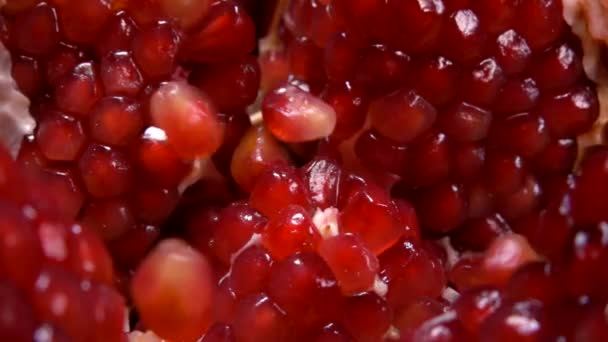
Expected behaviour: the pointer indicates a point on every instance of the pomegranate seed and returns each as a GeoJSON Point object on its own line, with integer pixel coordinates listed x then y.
{"type": "Point", "coordinates": [506, 254]}
{"type": "Point", "coordinates": [155, 50]}
{"type": "Point", "coordinates": [442, 207]}
{"type": "Point", "coordinates": [36, 31]}
{"type": "Point", "coordinates": [250, 271]}
{"type": "Point", "coordinates": [462, 36]}
{"type": "Point", "coordinates": [106, 172]}
{"type": "Point", "coordinates": [120, 75]}
{"type": "Point", "coordinates": [571, 113]}
{"type": "Point", "coordinates": [274, 69]}
{"type": "Point", "coordinates": [16, 6]}
{"type": "Point", "coordinates": [436, 80]}
{"type": "Point", "coordinates": [78, 91]}
{"type": "Point", "coordinates": [465, 122]}
{"type": "Point", "coordinates": [590, 186]}
{"type": "Point", "coordinates": [26, 72]}
{"type": "Point", "coordinates": [445, 327]}
{"type": "Point", "coordinates": [290, 231]}
{"type": "Point", "coordinates": [382, 69]}
{"type": "Point", "coordinates": [276, 188]}
{"type": "Point", "coordinates": [116, 121]}
{"type": "Point", "coordinates": [419, 20]}
{"type": "Point", "coordinates": [18, 323]}
{"type": "Point", "coordinates": [432, 155]}
{"type": "Point", "coordinates": [109, 218]}
{"type": "Point", "coordinates": [340, 57]}
{"type": "Point", "coordinates": [130, 248]}
{"type": "Point", "coordinates": [473, 307]}
{"type": "Point", "coordinates": [496, 15]}
{"type": "Point", "coordinates": [477, 234]}
{"type": "Point", "coordinates": [543, 22]}
{"type": "Point", "coordinates": [517, 96]}
{"type": "Point", "coordinates": [517, 321]}
{"type": "Point", "coordinates": [184, 12]}
{"type": "Point", "coordinates": [188, 118]}
{"type": "Point", "coordinates": [154, 205]}
{"type": "Point", "coordinates": [258, 318]}
{"type": "Point", "coordinates": [367, 316]}
{"type": "Point", "coordinates": [350, 103]}
{"type": "Point", "coordinates": [82, 22]}
{"type": "Point", "coordinates": [333, 333]}
{"type": "Point", "coordinates": [557, 68]}
{"type": "Point", "coordinates": [116, 36]}
{"type": "Point", "coordinates": [172, 290]}
{"type": "Point", "coordinates": [386, 154]}
{"type": "Point", "coordinates": [512, 51]}
{"type": "Point", "coordinates": [61, 63]}
{"type": "Point", "coordinates": [60, 137]}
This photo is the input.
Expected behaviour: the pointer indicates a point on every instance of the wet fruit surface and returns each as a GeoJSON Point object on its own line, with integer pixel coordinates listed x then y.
{"type": "Point", "coordinates": [382, 170]}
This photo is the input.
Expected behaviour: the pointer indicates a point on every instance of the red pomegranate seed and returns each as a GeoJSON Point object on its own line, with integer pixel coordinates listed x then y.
{"type": "Point", "coordinates": [349, 101]}
{"type": "Point", "coordinates": [477, 234]}
{"type": "Point", "coordinates": [570, 113]}
{"type": "Point", "coordinates": [106, 172]}
{"type": "Point", "coordinates": [88, 256]}
{"type": "Point", "coordinates": [225, 301]}
{"type": "Point", "coordinates": [237, 224]}
{"type": "Point", "coordinates": [276, 188]}
{"type": "Point", "coordinates": [557, 68]}
{"type": "Point", "coordinates": [465, 122]}
{"type": "Point", "coordinates": [304, 58]}
{"type": "Point", "coordinates": [322, 177]}
{"type": "Point", "coordinates": [474, 306]}
{"type": "Point", "coordinates": [116, 121]}
{"type": "Point", "coordinates": [432, 155]}
{"type": "Point", "coordinates": [436, 80]}
{"type": "Point", "coordinates": [592, 327]}
{"type": "Point", "coordinates": [496, 15]}
{"type": "Point", "coordinates": [250, 270]}
{"type": "Point", "coordinates": [481, 84]}
{"type": "Point", "coordinates": [120, 75]}
{"type": "Point", "coordinates": [512, 51]}
{"type": "Point", "coordinates": [353, 265]}
{"type": "Point", "coordinates": [524, 134]}
{"type": "Point", "coordinates": [557, 158]}
{"type": "Point", "coordinates": [64, 188]}
{"type": "Point", "coordinates": [521, 202]}
{"type": "Point", "coordinates": [83, 21]}
{"type": "Point", "coordinates": [117, 35]}
{"type": "Point", "coordinates": [413, 315]}
{"type": "Point", "coordinates": [442, 207]}
{"type": "Point", "coordinates": [503, 173]}
{"type": "Point", "coordinates": [153, 205]}
{"type": "Point", "coordinates": [231, 85]}
{"type": "Point", "coordinates": [173, 291]}
{"type": "Point", "coordinates": [540, 22]}
{"type": "Point", "coordinates": [468, 273]}
{"type": "Point", "coordinates": [418, 20]}
{"type": "Point", "coordinates": [60, 137]}
{"type": "Point", "coordinates": [340, 57]}
{"type": "Point", "coordinates": [16, 6]}
{"type": "Point", "coordinates": [402, 115]}
{"type": "Point", "coordinates": [591, 185]}
{"type": "Point", "coordinates": [274, 69]}
{"type": "Point", "coordinates": [290, 231]}
{"type": "Point", "coordinates": [110, 218]}
{"type": "Point", "coordinates": [257, 150]}
{"type": "Point", "coordinates": [533, 281]}
{"type": "Point", "coordinates": [36, 32]}
{"type": "Point", "coordinates": [78, 91]}
{"type": "Point", "coordinates": [184, 12]}
{"type": "Point", "coordinates": [18, 323]}
{"type": "Point", "coordinates": [382, 69]}
{"type": "Point", "coordinates": [517, 96]}
{"type": "Point", "coordinates": [132, 246]}
{"type": "Point", "coordinates": [26, 72]}
{"type": "Point", "coordinates": [468, 160]}
{"type": "Point", "coordinates": [305, 288]}
{"type": "Point", "coordinates": [155, 50]}
{"type": "Point", "coordinates": [189, 119]}
{"type": "Point", "coordinates": [226, 33]}
{"type": "Point", "coordinates": [61, 63]}
{"type": "Point", "coordinates": [333, 333]}
{"type": "Point", "coordinates": [367, 317]}
{"type": "Point", "coordinates": [519, 321]}
{"type": "Point", "coordinates": [444, 327]}
{"type": "Point", "coordinates": [109, 310]}
{"type": "Point", "coordinates": [462, 36]}
{"type": "Point", "coordinates": [504, 256]}
{"type": "Point", "coordinates": [384, 153]}
{"type": "Point", "coordinates": [258, 318]}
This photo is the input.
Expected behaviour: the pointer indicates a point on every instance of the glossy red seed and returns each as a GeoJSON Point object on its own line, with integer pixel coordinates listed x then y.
{"type": "Point", "coordinates": [591, 183]}
{"type": "Point", "coordinates": [474, 306]}
{"type": "Point", "coordinates": [517, 96]}
{"type": "Point", "coordinates": [371, 215]}
{"type": "Point", "coordinates": [120, 75]}
{"type": "Point", "coordinates": [82, 22]}
{"type": "Point", "coordinates": [228, 32]}
{"type": "Point", "coordinates": [444, 327]}
{"type": "Point", "coordinates": [496, 15]}
{"type": "Point", "coordinates": [504, 256]}
{"type": "Point", "coordinates": [64, 190]}
{"type": "Point", "coordinates": [419, 21]}
{"type": "Point", "coordinates": [413, 315]}
{"type": "Point", "coordinates": [462, 36]}
{"type": "Point", "coordinates": [18, 322]}
{"type": "Point", "coordinates": [465, 122]}
{"type": "Point", "coordinates": [231, 85]}
{"type": "Point", "coordinates": [557, 68]}
{"type": "Point", "coordinates": [592, 327]}
{"type": "Point", "coordinates": [432, 155]}
{"type": "Point", "coordinates": [303, 286]}
{"type": "Point", "coordinates": [274, 69]}
{"type": "Point", "coordinates": [106, 171]}
{"type": "Point", "coordinates": [131, 247]}
{"type": "Point", "coordinates": [27, 73]}
{"type": "Point", "coordinates": [477, 234]}
{"type": "Point", "coordinates": [524, 134]}
{"type": "Point", "coordinates": [77, 92]}
{"type": "Point", "coordinates": [521, 321]}
{"type": "Point", "coordinates": [237, 224]}
{"type": "Point", "coordinates": [534, 281]}
{"type": "Point", "coordinates": [402, 115]}
{"type": "Point", "coordinates": [523, 201]}
{"type": "Point", "coordinates": [468, 159]}
{"type": "Point", "coordinates": [88, 256]}
{"type": "Point", "coordinates": [503, 173]}
{"type": "Point", "coordinates": [109, 218]}
{"type": "Point", "coordinates": [540, 22]}
{"type": "Point", "coordinates": [569, 113]}
{"type": "Point", "coordinates": [436, 80]}
{"type": "Point", "coordinates": [442, 207]}
{"type": "Point", "coordinates": [219, 333]}
{"type": "Point", "coordinates": [60, 63]}
{"type": "Point", "coordinates": [367, 317]}
{"type": "Point", "coordinates": [512, 51]}
{"type": "Point", "coordinates": [16, 6]}
{"type": "Point", "coordinates": [291, 230]}
{"type": "Point", "coordinates": [340, 57]}
{"type": "Point", "coordinates": [117, 35]}
{"type": "Point", "coordinates": [349, 101]}
{"type": "Point", "coordinates": [322, 178]}
{"type": "Point", "coordinates": [353, 265]}
{"type": "Point", "coordinates": [60, 137]}
{"type": "Point", "coordinates": [154, 205]}
{"type": "Point", "coordinates": [109, 312]}
{"type": "Point", "coordinates": [155, 50]}
{"type": "Point", "coordinates": [116, 121]}
{"type": "Point", "coordinates": [557, 158]}
{"type": "Point", "coordinates": [382, 69]}
{"type": "Point", "coordinates": [258, 318]}
{"type": "Point", "coordinates": [36, 32]}
{"type": "Point", "coordinates": [332, 333]}
{"type": "Point", "coordinates": [276, 188]}
{"type": "Point", "coordinates": [481, 84]}
{"type": "Point", "coordinates": [385, 154]}
{"type": "Point", "coordinates": [304, 60]}
{"type": "Point", "coordinates": [250, 270]}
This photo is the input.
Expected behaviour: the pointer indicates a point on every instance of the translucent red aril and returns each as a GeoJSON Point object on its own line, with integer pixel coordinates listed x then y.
{"type": "Point", "coordinates": [557, 68]}
{"type": "Point", "coordinates": [276, 188]}
{"type": "Point", "coordinates": [540, 22]}
{"type": "Point", "coordinates": [131, 247]}
{"type": "Point", "coordinates": [291, 230]}
{"type": "Point", "coordinates": [153, 205]}
{"type": "Point", "coordinates": [117, 34]}
{"type": "Point", "coordinates": [516, 96]}
{"type": "Point", "coordinates": [421, 21]}
{"type": "Point", "coordinates": [78, 90]}
{"type": "Point", "coordinates": [402, 115]}
{"type": "Point", "coordinates": [474, 306]}
{"type": "Point", "coordinates": [60, 137]}
{"type": "Point", "coordinates": [340, 57]}
{"type": "Point", "coordinates": [372, 215]}
{"type": "Point", "coordinates": [185, 13]}
{"type": "Point", "coordinates": [353, 265]}
{"type": "Point", "coordinates": [16, 6]}
{"type": "Point", "coordinates": [304, 59]}
{"type": "Point", "coordinates": [477, 234]}
{"type": "Point", "coordinates": [521, 202]}
{"type": "Point", "coordinates": [274, 69]}
{"type": "Point", "coordinates": [462, 36]}
{"type": "Point", "coordinates": [236, 226]}
{"type": "Point", "coordinates": [367, 317]}
{"type": "Point", "coordinates": [332, 333]}
{"type": "Point", "coordinates": [468, 159]}
{"type": "Point", "coordinates": [305, 288]}
{"type": "Point", "coordinates": [496, 15]}
{"type": "Point", "coordinates": [231, 85]}
{"type": "Point", "coordinates": [120, 75]}
{"type": "Point", "coordinates": [65, 188]}
{"type": "Point", "coordinates": [227, 33]}
{"type": "Point", "coordinates": [61, 63]}
{"type": "Point", "coordinates": [415, 314]}
{"type": "Point", "coordinates": [219, 333]}
{"type": "Point", "coordinates": [189, 119]}
{"type": "Point", "coordinates": [386, 154]}
{"type": "Point", "coordinates": [557, 158]}
{"type": "Point", "coordinates": [512, 52]}
{"type": "Point", "coordinates": [482, 83]}
{"type": "Point", "coordinates": [505, 255]}
{"type": "Point", "coordinates": [519, 321]}
{"type": "Point", "coordinates": [173, 291]}
{"type": "Point", "coordinates": [525, 134]}
{"type": "Point", "coordinates": [250, 271]}
{"type": "Point", "coordinates": [592, 327]}
{"type": "Point", "coordinates": [294, 115]}
{"type": "Point", "coordinates": [116, 121]}
{"type": "Point", "coordinates": [258, 318]}
{"type": "Point", "coordinates": [445, 327]}
{"type": "Point", "coordinates": [155, 50]}
{"type": "Point", "coordinates": [109, 218]}
{"type": "Point", "coordinates": [35, 31]}
{"type": "Point", "coordinates": [82, 22]}
{"type": "Point", "coordinates": [106, 172]}
{"type": "Point", "coordinates": [503, 173]}
{"type": "Point", "coordinates": [591, 185]}
{"type": "Point", "coordinates": [465, 122]}
{"type": "Point", "coordinates": [18, 322]}
{"type": "Point", "coordinates": [442, 207]}
{"type": "Point", "coordinates": [436, 80]}
{"type": "Point", "coordinates": [88, 256]}
{"type": "Point", "coordinates": [350, 104]}
{"type": "Point", "coordinates": [432, 155]}
{"type": "Point", "coordinates": [27, 73]}
{"type": "Point", "coordinates": [382, 69]}
{"type": "Point", "coordinates": [534, 281]}
{"type": "Point", "coordinates": [570, 113]}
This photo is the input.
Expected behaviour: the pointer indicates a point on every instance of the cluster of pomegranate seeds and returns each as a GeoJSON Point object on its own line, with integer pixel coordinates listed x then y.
{"type": "Point", "coordinates": [56, 277]}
